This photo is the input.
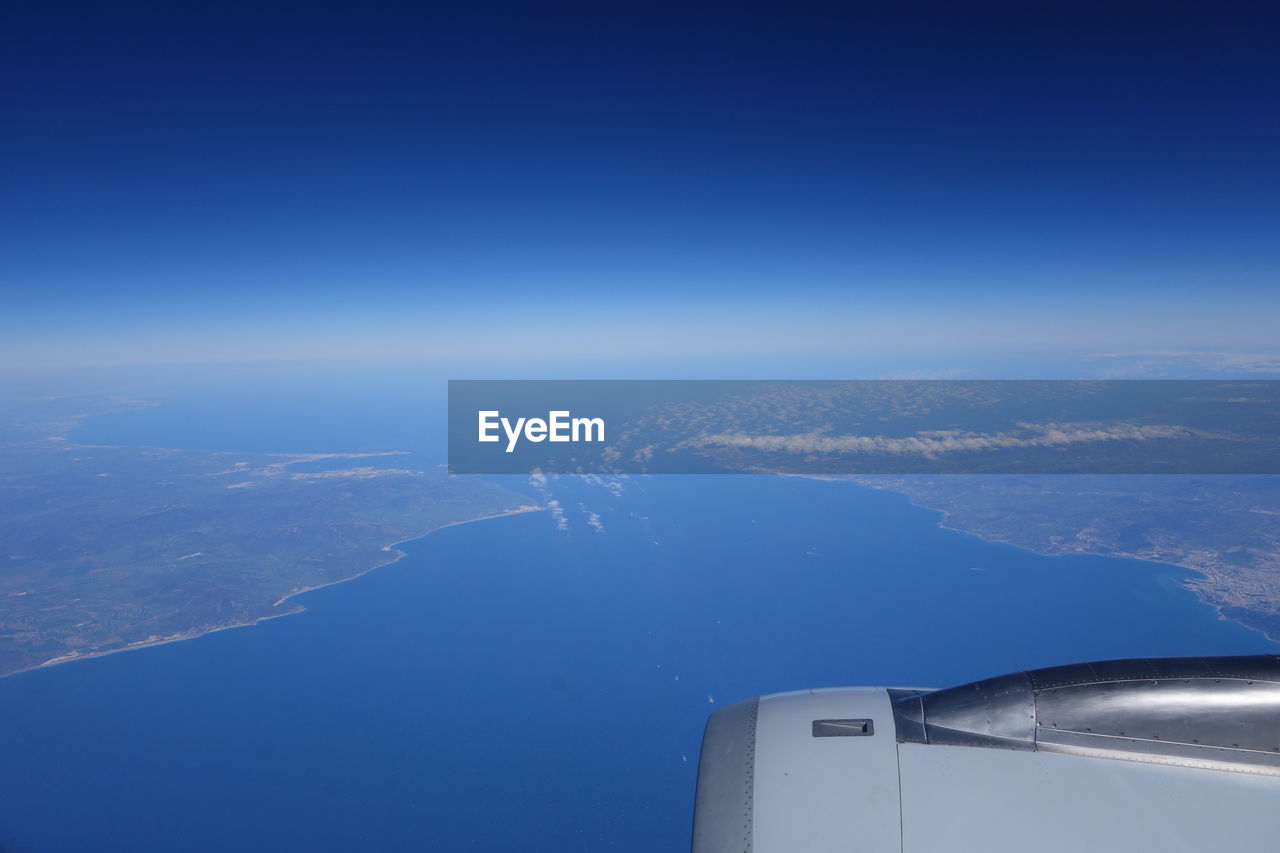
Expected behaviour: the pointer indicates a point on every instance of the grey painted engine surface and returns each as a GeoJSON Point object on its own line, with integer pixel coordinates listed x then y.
{"type": "Point", "coordinates": [1171, 754]}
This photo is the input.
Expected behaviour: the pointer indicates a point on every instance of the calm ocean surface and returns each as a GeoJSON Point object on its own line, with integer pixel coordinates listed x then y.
{"type": "Point", "coordinates": [510, 685]}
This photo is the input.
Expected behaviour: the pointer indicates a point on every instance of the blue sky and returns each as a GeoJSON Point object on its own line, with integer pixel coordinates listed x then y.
{"type": "Point", "coordinates": [827, 183]}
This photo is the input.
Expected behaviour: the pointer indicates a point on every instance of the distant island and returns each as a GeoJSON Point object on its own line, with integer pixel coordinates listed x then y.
{"type": "Point", "coordinates": [109, 548]}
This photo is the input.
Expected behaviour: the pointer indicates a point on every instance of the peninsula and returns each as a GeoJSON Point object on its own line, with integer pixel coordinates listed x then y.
{"type": "Point", "coordinates": [105, 548]}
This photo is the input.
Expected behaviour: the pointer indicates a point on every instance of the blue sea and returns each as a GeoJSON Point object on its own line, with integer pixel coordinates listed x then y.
{"type": "Point", "coordinates": [540, 682]}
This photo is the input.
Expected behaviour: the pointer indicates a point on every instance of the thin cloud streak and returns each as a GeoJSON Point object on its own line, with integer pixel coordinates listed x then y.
{"type": "Point", "coordinates": [936, 443]}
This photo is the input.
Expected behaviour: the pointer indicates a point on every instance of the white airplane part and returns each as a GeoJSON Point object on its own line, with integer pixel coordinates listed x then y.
{"type": "Point", "coordinates": [1169, 754]}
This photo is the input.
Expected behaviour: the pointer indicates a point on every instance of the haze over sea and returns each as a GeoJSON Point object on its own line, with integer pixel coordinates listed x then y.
{"type": "Point", "coordinates": [537, 684]}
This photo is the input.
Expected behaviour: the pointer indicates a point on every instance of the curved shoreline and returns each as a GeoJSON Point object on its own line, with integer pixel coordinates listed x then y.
{"type": "Point", "coordinates": [196, 633]}
{"type": "Point", "coordinates": [945, 522]}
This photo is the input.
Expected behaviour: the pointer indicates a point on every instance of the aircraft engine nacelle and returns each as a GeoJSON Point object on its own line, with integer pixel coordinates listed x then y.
{"type": "Point", "coordinates": [1163, 754]}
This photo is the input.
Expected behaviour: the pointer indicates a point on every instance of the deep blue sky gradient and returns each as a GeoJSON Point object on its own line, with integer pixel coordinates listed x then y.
{"type": "Point", "coordinates": [210, 182]}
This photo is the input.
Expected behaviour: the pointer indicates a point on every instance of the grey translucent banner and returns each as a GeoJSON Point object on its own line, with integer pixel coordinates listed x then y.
{"type": "Point", "coordinates": [819, 427]}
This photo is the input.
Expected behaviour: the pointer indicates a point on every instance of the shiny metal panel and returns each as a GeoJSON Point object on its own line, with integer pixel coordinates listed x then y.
{"type": "Point", "coordinates": [1220, 712]}
{"type": "Point", "coordinates": [1159, 752]}
{"type": "Point", "coordinates": [1215, 712]}
{"type": "Point", "coordinates": [998, 712]}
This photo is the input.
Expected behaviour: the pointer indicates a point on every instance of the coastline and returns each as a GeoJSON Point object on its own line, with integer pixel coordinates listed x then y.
{"type": "Point", "coordinates": [1191, 586]}
{"type": "Point", "coordinates": [1198, 586]}
{"type": "Point", "coordinates": [399, 555]}
{"type": "Point", "coordinates": [296, 609]}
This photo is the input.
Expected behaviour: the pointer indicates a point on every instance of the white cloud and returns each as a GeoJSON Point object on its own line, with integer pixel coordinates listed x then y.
{"type": "Point", "coordinates": [1179, 363]}
{"type": "Point", "coordinates": [557, 514]}
{"type": "Point", "coordinates": [593, 519]}
{"type": "Point", "coordinates": [935, 443]}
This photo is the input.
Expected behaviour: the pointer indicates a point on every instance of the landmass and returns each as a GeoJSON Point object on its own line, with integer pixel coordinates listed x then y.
{"type": "Point", "coordinates": [1085, 467]}
{"type": "Point", "coordinates": [106, 548]}
{"type": "Point", "coordinates": [893, 427]}
{"type": "Point", "coordinates": [109, 548]}
{"type": "Point", "coordinates": [1226, 528]}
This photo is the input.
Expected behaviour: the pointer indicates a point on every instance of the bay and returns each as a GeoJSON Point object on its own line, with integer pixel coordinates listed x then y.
{"type": "Point", "coordinates": [540, 682]}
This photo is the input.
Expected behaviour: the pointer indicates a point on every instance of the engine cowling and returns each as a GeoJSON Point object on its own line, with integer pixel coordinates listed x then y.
{"type": "Point", "coordinates": [1105, 755]}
